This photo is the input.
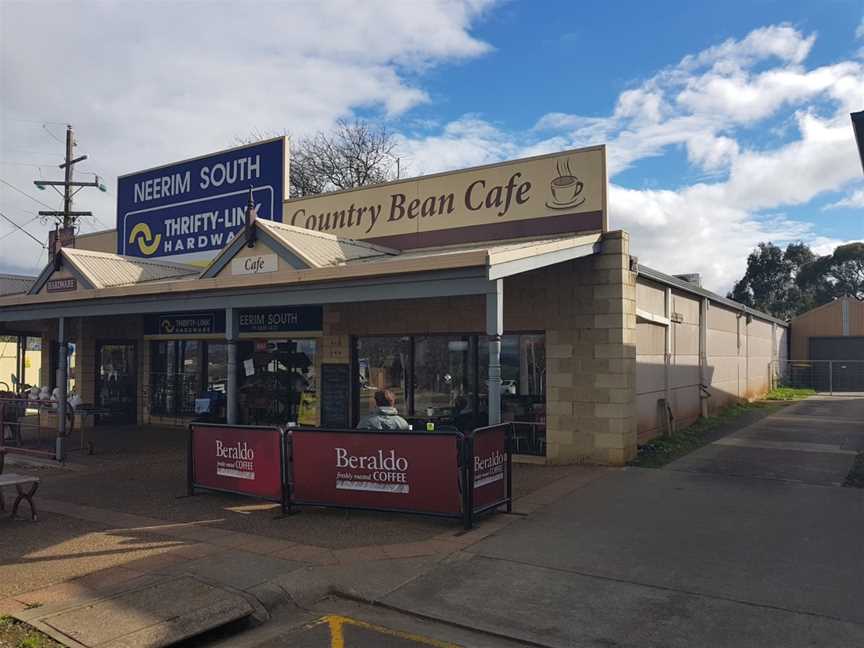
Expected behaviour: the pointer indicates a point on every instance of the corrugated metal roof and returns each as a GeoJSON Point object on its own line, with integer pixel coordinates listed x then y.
{"type": "Point", "coordinates": [12, 284]}
{"type": "Point", "coordinates": [686, 286]}
{"type": "Point", "coordinates": [103, 269]}
{"type": "Point", "coordinates": [320, 249]}
{"type": "Point", "coordinates": [522, 247]}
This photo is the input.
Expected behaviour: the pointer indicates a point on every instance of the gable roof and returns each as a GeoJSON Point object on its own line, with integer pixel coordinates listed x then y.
{"type": "Point", "coordinates": [104, 270]}
{"type": "Point", "coordinates": [320, 249]}
{"type": "Point", "coordinates": [301, 248]}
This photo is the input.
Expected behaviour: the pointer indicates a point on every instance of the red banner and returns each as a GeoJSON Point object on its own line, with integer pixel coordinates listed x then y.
{"type": "Point", "coordinates": [238, 459]}
{"type": "Point", "coordinates": [395, 471]}
{"type": "Point", "coordinates": [490, 465]}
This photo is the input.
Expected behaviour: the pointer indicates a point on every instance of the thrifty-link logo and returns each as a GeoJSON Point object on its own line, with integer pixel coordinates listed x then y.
{"type": "Point", "coordinates": [380, 472]}
{"type": "Point", "coordinates": [147, 243]}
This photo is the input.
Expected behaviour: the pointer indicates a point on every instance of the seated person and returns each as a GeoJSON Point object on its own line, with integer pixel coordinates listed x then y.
{"type": "Point", "coordinates": [385, 416]}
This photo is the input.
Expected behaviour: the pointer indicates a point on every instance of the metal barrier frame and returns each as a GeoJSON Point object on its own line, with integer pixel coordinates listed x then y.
{"type": "Point", "coordinates": [468, 466]}
{"type": "Point", "coordinates": [192, 485]}
{"type": "Point", "coordinates": [460, 453]}
{"type": "Point", "coordinates": [464, 470]}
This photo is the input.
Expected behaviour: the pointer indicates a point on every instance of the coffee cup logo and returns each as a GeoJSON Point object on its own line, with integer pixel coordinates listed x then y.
{"type": "Point", "coordinates": [566, 188]}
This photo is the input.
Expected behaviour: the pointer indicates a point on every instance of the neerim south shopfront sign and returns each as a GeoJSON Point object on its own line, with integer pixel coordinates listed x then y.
{"type": "Point", "coordinates": [281, 319]}
{"type": "Point", "coordinates": [191, 209]}
{"type": "Point", "coordinates": [560, 193]}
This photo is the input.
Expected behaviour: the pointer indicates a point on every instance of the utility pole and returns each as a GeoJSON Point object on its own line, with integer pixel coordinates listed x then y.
{"type": "Point", "coordinates": [68, 218]}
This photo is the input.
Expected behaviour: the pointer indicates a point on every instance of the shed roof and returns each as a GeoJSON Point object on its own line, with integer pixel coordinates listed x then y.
{"type": "Point", "coordinates": [14, 284]}
{"type": "Point", "coordinates": [106, 270]}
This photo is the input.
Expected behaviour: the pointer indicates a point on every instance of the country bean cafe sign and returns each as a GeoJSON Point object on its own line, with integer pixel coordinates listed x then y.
{"type": "Point", "coordinates": [559, 193]}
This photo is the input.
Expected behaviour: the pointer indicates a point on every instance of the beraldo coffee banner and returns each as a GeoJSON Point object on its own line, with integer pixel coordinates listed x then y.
{"type": "Point", "coordinates": [401, 472]}
{"type": "Point", "coordinates": [245, 460]}
{"type": "Point", "coordinates": [559, 193]}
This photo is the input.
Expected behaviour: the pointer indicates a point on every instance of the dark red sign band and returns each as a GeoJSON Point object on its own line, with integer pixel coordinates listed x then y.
{"type": "Point", "coordinates": [405, 472]}
{"type": "Point", "coordinates": [245, 460]}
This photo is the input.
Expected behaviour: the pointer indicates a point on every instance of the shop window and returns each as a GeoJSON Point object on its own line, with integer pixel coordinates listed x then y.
{"type": "Point", "coordinates": [184, 374]}
{"type": "Point", "coordinates": [444, 380]}
{"type": "Point", "coordinates": [523, 388]}
{"type": "Point", "coordinates": [382, 363]}
{"type": "Point", "coordinates": [278, 383]}
{"type": "Point", "coordinates": [217, 368]}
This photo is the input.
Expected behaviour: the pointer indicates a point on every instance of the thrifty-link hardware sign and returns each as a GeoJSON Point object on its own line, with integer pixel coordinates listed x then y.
{"type": "Point", "coordinates": [189, 210]}
{"type": "Point", "coordinates": [560, 193]}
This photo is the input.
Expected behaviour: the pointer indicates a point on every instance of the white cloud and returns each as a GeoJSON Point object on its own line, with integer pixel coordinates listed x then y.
{"type": "Point", "coordinates": [147, 83]}
{"type": "Point", "coordinates": [852, 201]}
{"type": "Point", "coordinates": [149, 88]}
{"type": "Point", "coordinates": [859, 31]}
{"type": "Point", "coordinates": [708, 104]}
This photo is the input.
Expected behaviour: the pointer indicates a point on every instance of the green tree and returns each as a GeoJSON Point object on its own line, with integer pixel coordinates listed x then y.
{"type": "Point", "coordinates": [769, 284]}
{"type": "Point", "coordinates": [840, 274]}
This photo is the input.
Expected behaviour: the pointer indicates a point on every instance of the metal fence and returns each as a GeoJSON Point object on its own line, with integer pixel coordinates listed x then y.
{"type": "Point", "coordinates": [822, 375]}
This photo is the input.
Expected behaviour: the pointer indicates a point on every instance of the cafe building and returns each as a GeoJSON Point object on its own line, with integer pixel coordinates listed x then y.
{"type": "Point", "coordinates": [490, 294]}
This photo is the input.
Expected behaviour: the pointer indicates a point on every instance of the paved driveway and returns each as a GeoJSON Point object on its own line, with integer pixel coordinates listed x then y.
{"type": "Point", "coordinates": [812, 442]}
{"type": "Point", "coordinates": [730, 547]}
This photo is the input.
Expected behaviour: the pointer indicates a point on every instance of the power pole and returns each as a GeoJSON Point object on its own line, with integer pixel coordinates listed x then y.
{"type": "Point", "coordinates": [68, 218]}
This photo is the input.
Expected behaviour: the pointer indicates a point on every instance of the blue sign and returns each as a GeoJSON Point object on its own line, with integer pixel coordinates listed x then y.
{"type": "Point", "coordinates": [194, 207]}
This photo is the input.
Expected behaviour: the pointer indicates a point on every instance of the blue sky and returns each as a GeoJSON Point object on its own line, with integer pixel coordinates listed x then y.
{"type": "Point", "coordinates": [726, 123]}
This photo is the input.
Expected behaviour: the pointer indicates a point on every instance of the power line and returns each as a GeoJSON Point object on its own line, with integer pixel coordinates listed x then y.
{"type": "Point", "coordinates": [35, 121]}
{"type": "Point", "coordinates": [8, 234]}
{"type": "Point", "coordinates": [24, 193]}
{"type": "Point", "coordinates": [22, 229]}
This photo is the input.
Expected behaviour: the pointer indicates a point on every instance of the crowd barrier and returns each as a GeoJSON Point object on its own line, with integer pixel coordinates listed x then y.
{"type": "Point", "coordinates": [444, 474]}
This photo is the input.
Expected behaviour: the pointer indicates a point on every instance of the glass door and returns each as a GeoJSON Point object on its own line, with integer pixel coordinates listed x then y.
{"type": "Point", "coordinates": [116, 380]}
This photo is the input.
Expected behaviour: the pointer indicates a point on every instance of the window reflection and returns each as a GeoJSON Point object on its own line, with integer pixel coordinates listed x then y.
{"type": "Point", "coordinates": [382, 364]}
{"type": "Point", "coordinates": [444, 379]}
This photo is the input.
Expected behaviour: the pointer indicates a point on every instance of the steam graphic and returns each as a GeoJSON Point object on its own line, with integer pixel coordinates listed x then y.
{"type": "Point", "coordinates": [566, 188]}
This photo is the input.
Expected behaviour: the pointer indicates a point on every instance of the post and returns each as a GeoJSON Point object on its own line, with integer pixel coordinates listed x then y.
{"type": "Point", "coordinates": [190, 463]}
{"type": "Point", "coordinates": [703, 357]}
{"type": "Point", "coordinates": [231, 388]}
{"type": "Point", "coordinates": [67, 189]}
{"type": "Point", "coordinates": [61, 384]}
{"type": "Point", "coordinates": [468, 494]}
{"type": "Point", "coordinates": [495, 329]}
{"type": "Point", "coordinates": [831, 377]}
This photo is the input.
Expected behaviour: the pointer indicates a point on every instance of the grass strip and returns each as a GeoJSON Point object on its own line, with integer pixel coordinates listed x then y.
{"type": "Point", "coordinates": [661, 450]}
{"type": "Point", "coordinates": [789, 394]}
{"type": "Point", "coordinates": [17, 634]}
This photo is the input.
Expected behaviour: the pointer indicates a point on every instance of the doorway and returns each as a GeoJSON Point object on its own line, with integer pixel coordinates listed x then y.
{"type": "Point", "coordinates": [117, 380]}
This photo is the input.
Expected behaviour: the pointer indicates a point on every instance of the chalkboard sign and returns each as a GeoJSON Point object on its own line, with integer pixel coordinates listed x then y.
{"type": "Point", "coordinates": [335, 395]}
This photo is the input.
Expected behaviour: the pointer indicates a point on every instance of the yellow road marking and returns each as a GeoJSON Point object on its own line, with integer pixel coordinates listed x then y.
{"type": "Point", "coordinates": [337, 637]}
{"type": "Point", "coordinates": [337, 623]}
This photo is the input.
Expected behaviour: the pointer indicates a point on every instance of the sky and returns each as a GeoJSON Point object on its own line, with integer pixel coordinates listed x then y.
{"type": "Point", "coordinates": [726, 124]}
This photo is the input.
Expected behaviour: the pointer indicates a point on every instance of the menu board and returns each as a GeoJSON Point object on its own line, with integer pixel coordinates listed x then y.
{"type": "Point", "coordinates": [335, 395]}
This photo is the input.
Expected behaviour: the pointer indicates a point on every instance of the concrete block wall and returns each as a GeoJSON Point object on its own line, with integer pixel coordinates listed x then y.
{"type": "Point", "coordinates": [588, 309]}
{"type": "Point", "coordinates": [739, 352]}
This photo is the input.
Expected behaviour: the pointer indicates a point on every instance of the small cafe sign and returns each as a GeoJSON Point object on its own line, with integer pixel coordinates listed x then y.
{"type": "Point", "coordinates": [259, 264]}
{"type": "Point", "coordinates": [549, 194]}
{"type": "Point", "coordinates": [66, 284]}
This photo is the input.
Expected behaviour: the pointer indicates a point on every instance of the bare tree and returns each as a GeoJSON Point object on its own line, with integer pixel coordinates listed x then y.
{"type": "Point", "coordinates": [354, 154]}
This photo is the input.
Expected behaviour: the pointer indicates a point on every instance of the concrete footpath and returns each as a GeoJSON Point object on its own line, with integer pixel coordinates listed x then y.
{"type": "Point", "coordinates": [680, 557]}
{"type": "Point", "coordinates": [746, 542]}
{"type": "Point", "coordinates": [88, 575]}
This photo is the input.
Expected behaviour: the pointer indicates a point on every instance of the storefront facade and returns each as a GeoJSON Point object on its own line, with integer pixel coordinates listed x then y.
{"type": "Point", "coordinates": [521, 307]}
